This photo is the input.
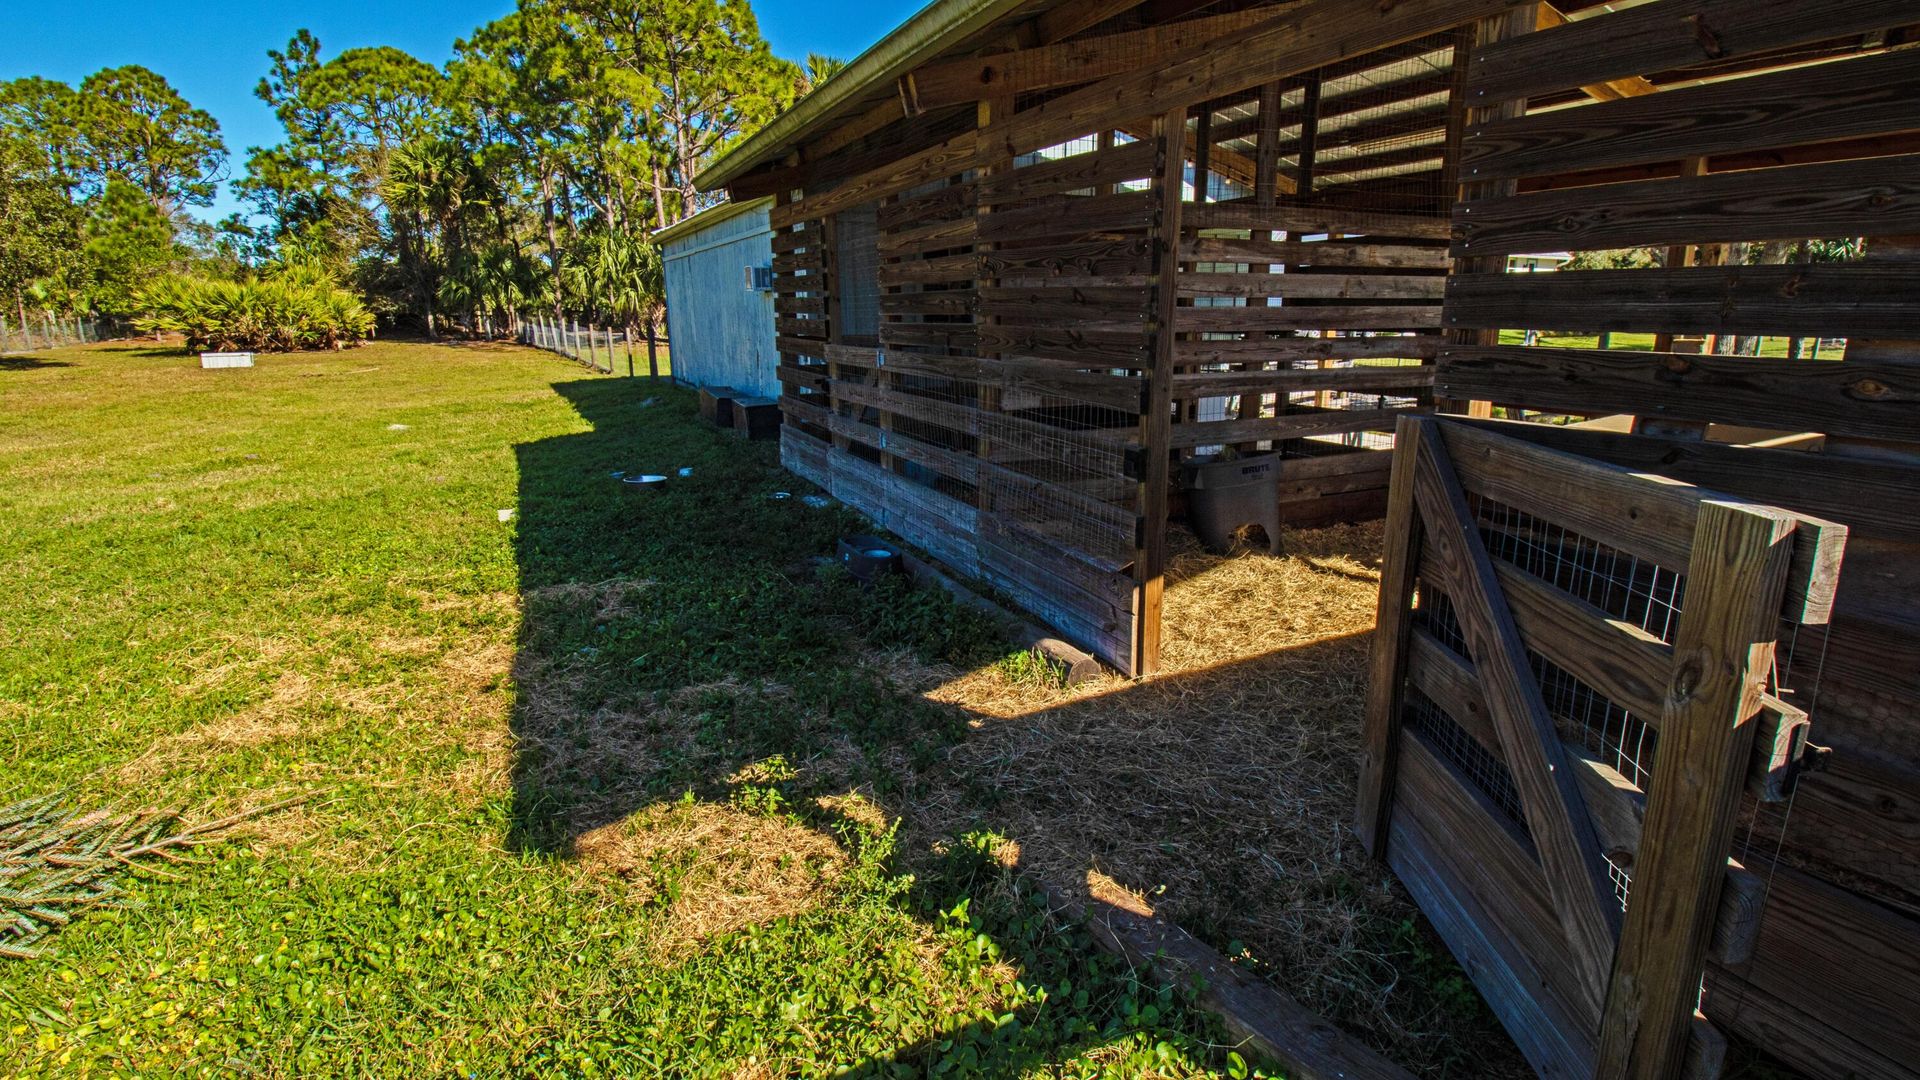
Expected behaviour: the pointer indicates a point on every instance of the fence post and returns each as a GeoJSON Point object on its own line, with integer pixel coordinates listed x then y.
{"type": "Point", "coordinates": [653, 355]}
{"type": "Point", "coordinates": [626, 339]}
{"type": "Point", "coordinates": [609, 350]}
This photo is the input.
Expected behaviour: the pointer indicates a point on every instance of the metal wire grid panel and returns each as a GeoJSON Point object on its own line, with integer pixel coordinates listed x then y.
{"type": "Point", "coordinates": [1623, 585]}
{"type": "Point", "coordinates": [1485, 771]}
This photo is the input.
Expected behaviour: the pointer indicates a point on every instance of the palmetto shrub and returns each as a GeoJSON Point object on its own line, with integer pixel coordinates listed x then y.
{"type": "Point", "coordinates": [277, 314]}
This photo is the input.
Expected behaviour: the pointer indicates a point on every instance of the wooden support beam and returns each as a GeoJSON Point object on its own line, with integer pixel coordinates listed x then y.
{"type": "Point", "coordinates": [1392, 637]}
{"type": "Point", "coordinates": [1156, 416]}
{"type": "Point", "coordinates": [1266, 166]}
{"type": "Point", "coordinates": [1309, 135]}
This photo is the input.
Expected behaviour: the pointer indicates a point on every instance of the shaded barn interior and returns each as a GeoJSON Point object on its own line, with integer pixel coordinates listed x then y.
{"type": "Point", "coordinates": [1036, 263]}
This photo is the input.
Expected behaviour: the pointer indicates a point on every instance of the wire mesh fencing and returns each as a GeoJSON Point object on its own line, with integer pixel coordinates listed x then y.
{"type": "Point", "coordinates": [49, 331]}
{"type": "Point", "coordinates": [603, 348]}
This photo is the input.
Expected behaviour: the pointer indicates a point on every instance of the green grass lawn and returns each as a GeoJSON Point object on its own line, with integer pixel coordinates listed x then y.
{"type": "Point", "coordinates": [576, 782]}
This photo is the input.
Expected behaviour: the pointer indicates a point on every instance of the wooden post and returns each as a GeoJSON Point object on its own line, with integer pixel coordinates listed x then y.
{"type": "Point", "coordinates": [1721, 653]}
{"type": "Point", "coordinates": [1266, 165]}
{"type": "Point", "coordinates": [1392, 631]}
{"type": "Point", "coordinates": [653, 356]}
{"type": "Point", "coordinates": [1202, 153]}
{"type": "Point", "coordinates": [1309, 135]}
{"type": "Point", "coordinates": [1156, 416]}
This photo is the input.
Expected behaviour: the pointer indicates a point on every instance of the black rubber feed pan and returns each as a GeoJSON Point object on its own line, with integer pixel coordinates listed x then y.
{"type": "Point", "coordinates": [869, 558]}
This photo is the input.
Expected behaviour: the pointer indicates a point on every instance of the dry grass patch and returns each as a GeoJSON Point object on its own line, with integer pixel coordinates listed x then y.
{"type": "Point", "coordinates": [714, 868]}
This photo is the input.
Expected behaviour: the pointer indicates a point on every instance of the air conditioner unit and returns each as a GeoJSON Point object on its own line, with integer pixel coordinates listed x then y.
{"type": "Point", "coordinates": [759, 278]}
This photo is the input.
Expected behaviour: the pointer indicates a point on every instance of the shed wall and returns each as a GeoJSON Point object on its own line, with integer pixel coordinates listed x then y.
{"type": "Point", "coordinates": [722, 332]}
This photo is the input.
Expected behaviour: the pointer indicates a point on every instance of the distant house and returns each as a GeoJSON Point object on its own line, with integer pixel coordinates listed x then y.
{"type": "Point", "coordinates": [720, 298]}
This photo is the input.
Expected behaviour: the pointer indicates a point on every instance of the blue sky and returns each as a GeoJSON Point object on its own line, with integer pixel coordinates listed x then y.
{"type": "Point", "coordinates": [215, 51]}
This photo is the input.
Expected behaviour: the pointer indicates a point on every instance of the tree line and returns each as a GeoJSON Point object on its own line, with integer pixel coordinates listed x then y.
{"type": "Point", "coordinates": [523, 175]}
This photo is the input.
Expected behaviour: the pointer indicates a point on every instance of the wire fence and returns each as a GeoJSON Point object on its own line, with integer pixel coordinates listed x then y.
{"type": "Point", "coordinates": [602, 348]}
{"type": "Point", "coordinates": [50, 331]}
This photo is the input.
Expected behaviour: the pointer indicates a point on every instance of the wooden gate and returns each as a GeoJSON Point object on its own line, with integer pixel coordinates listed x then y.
{"type": "Point", "coordinates": [1569, 690]}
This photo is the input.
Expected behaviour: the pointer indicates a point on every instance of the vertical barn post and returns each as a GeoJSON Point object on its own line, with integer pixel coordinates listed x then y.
{"type": "Point", "coordinates": [1393, 631]}
{"type": "Point", "coordinates": [1156, 415]}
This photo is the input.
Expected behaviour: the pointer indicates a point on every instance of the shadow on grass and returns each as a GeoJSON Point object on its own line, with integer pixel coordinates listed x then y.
{"type": "Point", "coordinates": [29, 363]}
{"type": "Point", "coordinates": [685, 643]}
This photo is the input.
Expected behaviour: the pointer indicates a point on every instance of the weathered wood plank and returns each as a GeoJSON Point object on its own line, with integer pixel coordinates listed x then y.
{"type": "Point", "coordinates": [1312, 253]}
{"type": "Point", "coordinates": [1667, 34]}
{"type": "Point", "coordinates": [1869, 197]}
{"type": "Point", "coordinates": [1314, 286]}
{"type": "Point", "coordinates": [1845, 299]}
{"type": "Point", "coordinates": [1133, 161]}
{"type": "Point", "coordinates": [1287, 426]}
{"type": "Point", "coordinates": [1871, 95]}
{"type": "Point", "coordinates": [1310, 317]}
{"type": "Point", "coordinates": [1851, 398]}
{"type": "Point", "coordinates": [1315, 219]}
{"type": "Point", "coordinates": [1286, 350]}
{"type": "Point", "coordinates": [1071, 216]}
{"type": "Point", "coordinates": [1403, 380]}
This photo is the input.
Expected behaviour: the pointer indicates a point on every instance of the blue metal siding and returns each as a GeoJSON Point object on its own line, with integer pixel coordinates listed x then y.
{"type": "Point", "coordinates": [722, 332]}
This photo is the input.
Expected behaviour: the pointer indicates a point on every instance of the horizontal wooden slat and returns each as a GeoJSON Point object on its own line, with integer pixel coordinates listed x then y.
{"type": "Point", "coordinates": [1071, 215]}
{"type": "Point", "coordinates": [1623, 663]}
{"type": "Point", "coordinates": [956, 200]}
{"type": "Point", "coordinates": [1070, 306]}
{"type": "Point", "coordinates": [1875, 196]}
{"type": "Point", "coordinates": [1842, 398]}
{"type": "Point", "coordinates": [1311, 219]}
{"type": "Point", "coordinates": [938, 270]}
{"type": "Point", "coordinates": [1313, 286]}
{"type": "Point", "coordinates": [1657, 36]}
{"type": "Point", "coordinates": [1072, 259]}
{"type": "Point", "coordinates": [1872, 95]}
{"type": "Point", "coordinates": [1312, 253]}
{"type": "Point", "coordinates": [800, 305]}
{"type": "Point", "coordinates": [1289, 426]}
{"type": "Point", "coordinates": [1404, 380]}
{"type": "Point", "coordinates": [1289, 349]}
{"type": "Point", "coordinates": [920, 239]}
{"type": "Point", "coordinates": [1310, 317]}
{"type": "Point", "coordinates": [799, 346]}
{"type": "Point", "coordinates": [1829, 300]}
{"type": "Point", "coordinates": [1133, 161]}
{"type": "Point", "coordinates": [1093, 348]}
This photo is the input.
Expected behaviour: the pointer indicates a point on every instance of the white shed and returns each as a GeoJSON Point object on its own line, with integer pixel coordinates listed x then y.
{"type": "Point", "coordinates": [719, 271]}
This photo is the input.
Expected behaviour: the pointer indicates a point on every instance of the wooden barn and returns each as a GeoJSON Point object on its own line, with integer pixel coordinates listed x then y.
{"type": "Point", "coordinates": [1642, 740]}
